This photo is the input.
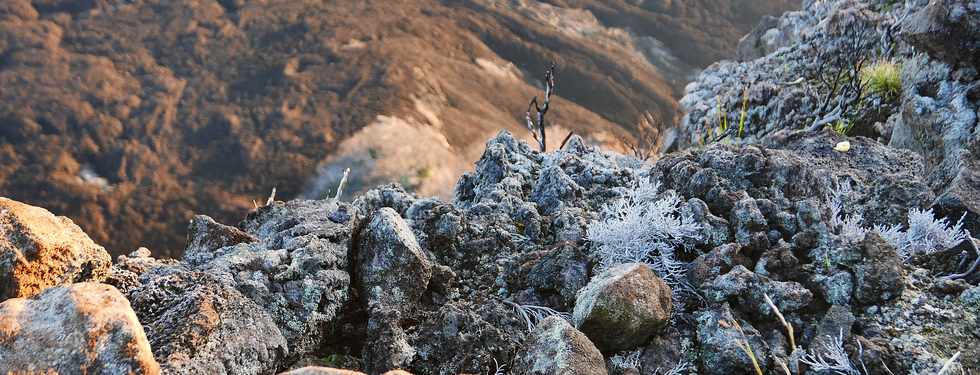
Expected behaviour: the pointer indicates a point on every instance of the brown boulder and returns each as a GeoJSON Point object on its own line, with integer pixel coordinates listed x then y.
{"type": "Point", "coordinates": [622, 307]}
{"type": "Point", "coordinates": [39, 250]}
{"type": "Point", "coordinates": [80, 328]}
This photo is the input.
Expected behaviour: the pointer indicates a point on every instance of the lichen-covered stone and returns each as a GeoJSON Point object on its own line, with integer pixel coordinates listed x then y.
{"type": "Point", "coordinates": [392, 267]}
{"type": "Point", "coordinates": [948, 30]}
{"type": "Point", "coordinates": [557, 348]}
{"type": "Point", "coordinates": [747, 290]}
{"type": "Point", "coordinates": [198, 325]}
{"type": "Point", "coordinates": [204, 235]}
{"type": "Point", "coordinates": [622, 307]}
{"type": "Point", "coordinates": [39, 250]}
{"type": "Point", "coordinates": [879, 277]}
{"type": "Point", "coordinates": [78, 328]}
{"type": "Point", "coordinates": [718, 338]}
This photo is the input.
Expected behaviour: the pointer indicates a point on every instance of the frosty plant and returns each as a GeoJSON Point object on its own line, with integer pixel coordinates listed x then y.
{"type": "Point", "coordinates": [925, 235]}
{"type": "Point", "coordinates": [531, 314]}
{"type": "Point", "coordinates": [644, 226]}
{"type": "Point", "coordinates": [832, 359]}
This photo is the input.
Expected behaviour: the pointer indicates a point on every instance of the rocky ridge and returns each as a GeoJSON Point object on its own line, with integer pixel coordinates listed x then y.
{"type": "Point", "coordinates": [785, 251]}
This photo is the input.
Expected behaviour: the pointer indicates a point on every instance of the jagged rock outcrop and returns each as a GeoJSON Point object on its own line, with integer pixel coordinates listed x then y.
{"type": "Point", "coordinates": [434, 287]}
{"type": "Point", "coordinates": [39, 250]}
{"type": "Point", "coordinates": [819, 222]}
{"type": "Point", "coordinates": [392, 269]}
{"type": "Point", "coordinates": [249, 300]}
{"type": "Point", "coordinates": [914, 62]}
{"type": "Point", "coordinates": [948, 30]}
{"type": "Point", "coordinates": [198, 325]}
{"type": "Point", "coordinates": [77, 328]}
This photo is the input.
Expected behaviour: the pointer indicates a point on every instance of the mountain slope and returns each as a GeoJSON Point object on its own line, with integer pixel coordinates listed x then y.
{"type": "Point", "coordinates": [129, 115]}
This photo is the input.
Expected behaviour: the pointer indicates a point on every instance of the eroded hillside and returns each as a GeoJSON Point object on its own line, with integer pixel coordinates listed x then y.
{"type": "Point", "coordinates": [129, 115]}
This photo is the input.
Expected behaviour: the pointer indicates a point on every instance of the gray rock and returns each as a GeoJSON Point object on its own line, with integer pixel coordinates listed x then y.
{"type": "Point", "coordinates": [85, 327]}
{"type": "Point", "coordinates": [938, 116]}
{"type": "Point", "coordinates": [390, 195]}
{"type": "Point", "coordinates": [622, 307]}
{"type": "Point", "coordinates": [39, 250]}
{"type": "Point", "coordinates": [971, 296]}
{"type": "Point", "coordinates": [392, 268]}
{"type": "Point", "coordinates": [552, 188]}
{"type": "Point", "coordinates": [465, 336]}
{"type": "Point", "coordinates": [297, 272]}
{"type": "Point", "coordinates": [747, 290]}
{"type": "Point", "coordinates": [387, 345]}
{"type": "Point", "coordinates": [316, 370]}
{"type": "Point", "coordinates": [557, 348]}
{"type": "Point", "coordinates": [948, 30]}
{"type": "Point", "coordinates": [879, 277]}
{"type": "Point", "coordinates": [747, 220]}
{"type": "Point", "coordinates": [204, 236]}
{"type": "Point", "coordinates": [836, 289]}
{"type": "Point", "coordinates": [559, 275]}
{"type": "Point", "coordinates": [718, 339]}
{"type": "Point", "coordinates": [437, 225]}
{"type": "Point", "coordinates": [249, 307]}
{"type": "Point", "coordinates": [836, 323]}
{"type": "Point", "coordinates": [715, 263]}
{"type": "Point", "coordinates": [198, 325]}
{"type": "Point", "coordinates": [664, 352]}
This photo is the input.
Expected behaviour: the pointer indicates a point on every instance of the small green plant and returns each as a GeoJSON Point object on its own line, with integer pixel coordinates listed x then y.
{"type": "Point", "coordinates": [842, 126]}
{"type": "Point", "coordinates": [722, 130]}
{"type": "Point", "coordinates": [883, 78]}
{"type": "Point", "coordinates": [744, 112]}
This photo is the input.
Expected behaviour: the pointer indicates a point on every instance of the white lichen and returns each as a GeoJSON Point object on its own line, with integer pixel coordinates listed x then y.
{"type": "Point", "coordinates": [925, 234]}
{"type": "Point", "coordinates": [627, 360]}
{"type": "Point", "coordinates": [644, 226]}
{"type": "Point", "coordinates": [531, 314]}
{"type": "Point", "coordinates": [831, 358]}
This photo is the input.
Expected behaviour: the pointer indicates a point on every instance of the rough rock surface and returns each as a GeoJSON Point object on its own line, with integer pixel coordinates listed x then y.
{"type": "Point", "coordinates": [933, 112]}
{"type": "Point", "coordinates": [813, 219]}
{"type": "Point", "coordinates": [197, 325]}
{"type": "Point", "coordinates": [39, 250]}
{"type": "Point", "coordinates": [246, 307]}
{"type": "Point", "coordinates": [879, 276]}
{"type": "Point", "coordinates": [622, 307]}
{"type": "Point", "coordinates": [718, 338]}
{"type": "Point", "coordinates": [392, 268]}
{"type": "Point", "coordinates": [948, 30]}
{"type": "Point", "coordinates": [555, 347]}
{"type": "Point", "coordinates": [84, 327]}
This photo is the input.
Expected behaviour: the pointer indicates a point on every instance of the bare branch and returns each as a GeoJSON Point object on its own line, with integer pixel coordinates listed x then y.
{"type": "Point", "coordinates": [564, 141]}
{"type": "Point", "coordinates": [536, 123]}
{"type": "Point", "coordinates": [340, 186]}
{"type": "Point", "coordinates": [949, 364]}
{"type": "Point", "coordinates": [272, 197]}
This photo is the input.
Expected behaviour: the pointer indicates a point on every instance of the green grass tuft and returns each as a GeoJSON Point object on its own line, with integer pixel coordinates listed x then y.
{"type": "Point", "coordinates": [883, 78]}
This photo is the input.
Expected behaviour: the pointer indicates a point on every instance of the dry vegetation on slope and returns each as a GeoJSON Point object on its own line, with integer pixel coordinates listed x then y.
{"type": "Point", "coordinates": [130, 115]}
